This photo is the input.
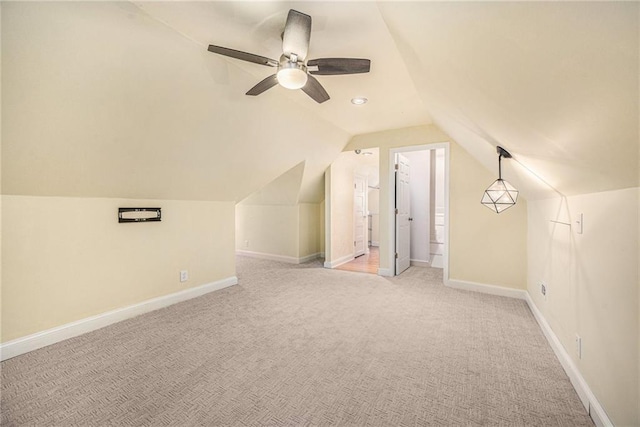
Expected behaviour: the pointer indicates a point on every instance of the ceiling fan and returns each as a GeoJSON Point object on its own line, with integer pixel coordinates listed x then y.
{"type": "Point", "coordinates": [293, 71]}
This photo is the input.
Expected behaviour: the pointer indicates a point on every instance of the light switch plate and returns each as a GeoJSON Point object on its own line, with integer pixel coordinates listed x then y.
{"type": "Point", "coordinates": [578, 223]}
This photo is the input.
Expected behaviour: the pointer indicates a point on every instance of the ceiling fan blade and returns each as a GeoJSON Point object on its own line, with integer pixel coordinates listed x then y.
{"type": "Point", "coordinates": [336, 66]}
{"type": "Point", "coordinates": [314, 89]}
{"type": "Point", "coordinates": [264, 85]}
{"type": "Point", "coordinates": [297, 34]}
{"type": "Point", "coordinates": [237, 54]}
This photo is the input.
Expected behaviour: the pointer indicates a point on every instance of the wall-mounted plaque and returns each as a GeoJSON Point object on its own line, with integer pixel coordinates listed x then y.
{"type": "Point", "coordinates": [139, 214]}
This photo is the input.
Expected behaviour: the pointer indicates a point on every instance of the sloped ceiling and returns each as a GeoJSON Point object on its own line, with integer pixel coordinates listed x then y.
{"type": "Point", "coordinates": [554, 83]}
{"type": "Point", "coordinates": [100, 100]}
{"type": "Point", "coordinates": [119, 99]}
{"type": "Point", "coordinates": [284, 190]}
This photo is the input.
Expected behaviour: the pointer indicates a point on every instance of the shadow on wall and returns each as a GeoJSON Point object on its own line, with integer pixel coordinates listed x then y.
{"type": "Point", "coordinates": [590, 276]}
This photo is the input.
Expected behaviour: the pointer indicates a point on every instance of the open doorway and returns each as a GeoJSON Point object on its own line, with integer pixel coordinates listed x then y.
{"type": "Point", "coordinates": [418, 198]}
{"type": "Point", "coordinates": [352, 211]}
{"type": "Point", "coordinates": [367, 260]}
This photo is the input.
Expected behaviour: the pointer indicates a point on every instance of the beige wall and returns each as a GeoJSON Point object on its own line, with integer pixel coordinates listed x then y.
{"type": "Point", "coordinates": [341, 209]}
{"type": "Point", "coordinates": [148, 115]}
{"type": "Point", "coordinates": [1, 315]}
{"type": "Point", "coordinates": [484, 247]}
{"type": "Point", "coordinates": [284, 230]}
{"type": "Point", "coordinates": [269, 229]}
{"type": "Point", "coordinates": [66, 259]}
{"type": "Point", "coordinates": [309, 229]}
{"type": "Point", "coordinates": [592, 290]}
{"type": "Point", "coordinates": [638, 241]}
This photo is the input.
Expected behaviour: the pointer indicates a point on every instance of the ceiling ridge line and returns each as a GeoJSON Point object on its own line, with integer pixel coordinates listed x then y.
{"type": "Point", "coordinates": [166, 24]}
{"type": "Point", "coordinates": [474, 128]}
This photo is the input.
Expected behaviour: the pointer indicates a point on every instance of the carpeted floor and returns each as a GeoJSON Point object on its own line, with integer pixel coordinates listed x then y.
{"type": "Point", "coordinates": [302, 345]}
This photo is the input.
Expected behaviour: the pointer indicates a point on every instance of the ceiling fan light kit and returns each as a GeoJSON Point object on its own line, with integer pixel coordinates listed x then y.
{"type": "Point", "coordinates": [293, 72]}
{"type": "Point", "coordinates": [292, 75]}
{"type": "Point", "coordinates": [500, 195]}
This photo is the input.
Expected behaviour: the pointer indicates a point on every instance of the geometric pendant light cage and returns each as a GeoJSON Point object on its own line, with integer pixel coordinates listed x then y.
{"type": "Point", "coordinates": [500, 195]}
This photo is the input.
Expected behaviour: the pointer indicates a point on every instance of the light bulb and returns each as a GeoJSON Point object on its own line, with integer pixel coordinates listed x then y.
{"type": "Point", "coordinates": [292, 78]}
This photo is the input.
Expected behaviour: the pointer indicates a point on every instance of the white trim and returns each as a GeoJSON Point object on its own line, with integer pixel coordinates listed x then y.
{"type": "Point", "coordinates": [385, 272]}
{"type": "Point", "coordinates": [589, 400]}
{"type": "Point", "coordinates": [308, 258]}
{"type": "Point", "coordinates": [60, 333]}
{"type": "Point", "coordinates": [281, 258]}
{"type": "Point", "coordinates": [338, 262]}
{"type": "Point", "coordinates": [375, 243]}
{"type": "Point", "coordinates": [486, 289]}
{"type": "Point", "coordinates": [419, 263]}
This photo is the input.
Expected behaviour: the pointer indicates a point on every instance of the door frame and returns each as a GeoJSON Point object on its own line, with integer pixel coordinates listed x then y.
{"type": "Point", "coordinates": [391, 204]}
{"type": "Point", "coordinates": [364, 209]}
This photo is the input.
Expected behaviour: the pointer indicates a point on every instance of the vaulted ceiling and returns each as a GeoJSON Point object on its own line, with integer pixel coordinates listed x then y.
{"type": "Point", "coordinates": [556, 83]}
{"type": "Point", "coordinates": [120, 99]}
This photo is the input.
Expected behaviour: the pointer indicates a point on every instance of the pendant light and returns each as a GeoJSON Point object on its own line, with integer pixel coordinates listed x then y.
{"type": "Point", "coordinates": [500, 195]}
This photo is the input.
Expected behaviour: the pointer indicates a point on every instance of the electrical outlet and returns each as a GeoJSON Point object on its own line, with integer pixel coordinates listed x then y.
{"type": "Point", "coordinates": [246, 243]}
{"type": "Point", "coordinates": [184, 275]}
{"type": "Point", "coordinates": [543, 290]}
{"type": "Point", "coordinates": [578, 346]}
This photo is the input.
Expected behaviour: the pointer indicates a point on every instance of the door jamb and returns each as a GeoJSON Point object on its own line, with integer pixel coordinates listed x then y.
{"type": "Point", "coordinates": [392, 197]}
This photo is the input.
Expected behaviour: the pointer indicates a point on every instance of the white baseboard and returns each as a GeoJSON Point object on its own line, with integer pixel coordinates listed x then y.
{"type": "Point", "coordinates": [437, 261]}
{"type": "Point", "coordinates": [385, 272]}
{"type": "Point", "coordinates": [308, 258]}
{"type": "Point", "coordinates": [281, 258]}
{"type": "Point", "coordinates": [322, 255]}
{"type": "Point", "coordinates": [60, 333]}
{"type": "Point", "coordinates": [338, 262]}
{"type": "Point", "coordinates": [375, 243]}
{"type": "Point", "coordinates": [593, 406]}
{"type": "Point", "coordinates": [486, 289]}
{"type": "Point", "coordinates": [419, 263]}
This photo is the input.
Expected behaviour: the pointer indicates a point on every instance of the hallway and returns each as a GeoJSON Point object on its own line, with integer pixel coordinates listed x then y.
{"type": "Point", "coordinates": [367, 263]}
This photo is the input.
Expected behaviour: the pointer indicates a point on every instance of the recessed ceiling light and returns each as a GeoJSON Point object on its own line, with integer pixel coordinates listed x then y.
{"type": "Point", "coordinates": [359, 101]}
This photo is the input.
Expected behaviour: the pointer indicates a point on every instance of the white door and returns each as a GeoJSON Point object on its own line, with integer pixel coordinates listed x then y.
{"type": "Point", "coordinates": [403, 212]}
{"type": "Point", "coordinates": [359, 216]}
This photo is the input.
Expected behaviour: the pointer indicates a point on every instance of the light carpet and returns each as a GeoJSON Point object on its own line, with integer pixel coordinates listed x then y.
{"type": "Point", "coordinates": [302, 345]}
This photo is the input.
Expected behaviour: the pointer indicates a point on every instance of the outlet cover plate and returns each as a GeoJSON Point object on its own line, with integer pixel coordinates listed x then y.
{"type": "Point", "coordinates": [184, 275]}
{"type": "Point", "coordinates": [543, 290]}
